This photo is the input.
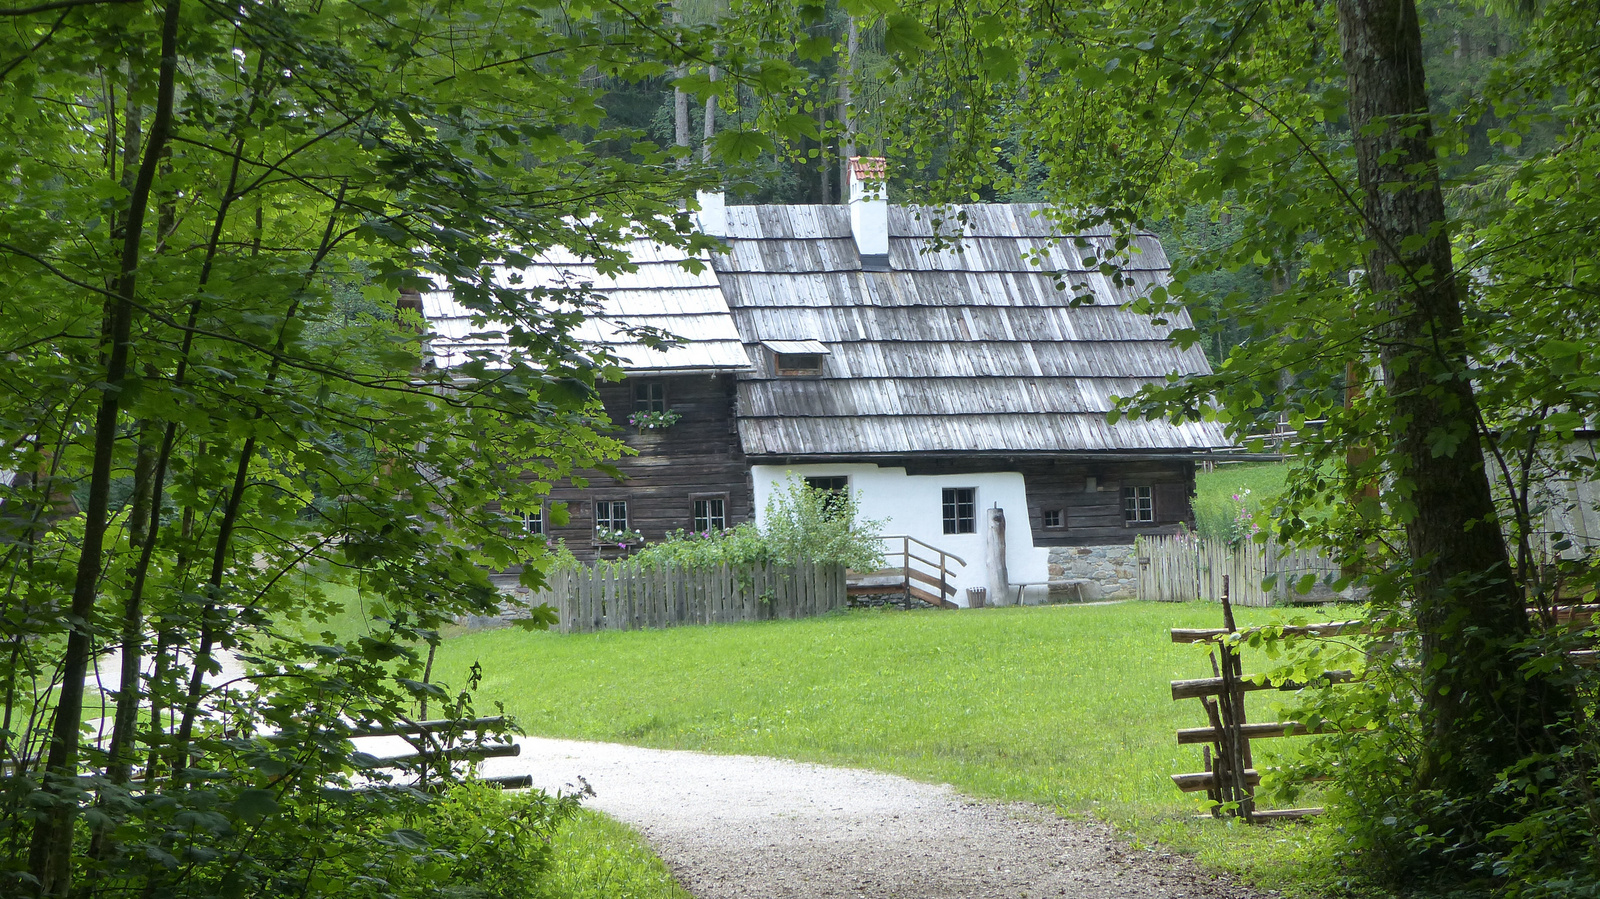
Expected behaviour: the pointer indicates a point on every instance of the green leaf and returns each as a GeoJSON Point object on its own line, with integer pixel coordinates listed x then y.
{"type": "Point", "coordinates": [904, 35]}
{"type": "Point", "coordinates": [740, 146]}
{"type": "Point", "coordinates": [815, 48]}
{"type": "Point", "coordinates": [254, 805]}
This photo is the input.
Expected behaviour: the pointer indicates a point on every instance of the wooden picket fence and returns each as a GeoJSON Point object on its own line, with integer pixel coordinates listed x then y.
{"type": "Point", "coordinates": [632, 595]}
{"type": "Point", "coordinates": [1184, 568]}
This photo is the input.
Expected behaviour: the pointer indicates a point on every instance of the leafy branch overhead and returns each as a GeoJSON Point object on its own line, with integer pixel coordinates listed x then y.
{"type": "Point", "coordinates": [212, 404]}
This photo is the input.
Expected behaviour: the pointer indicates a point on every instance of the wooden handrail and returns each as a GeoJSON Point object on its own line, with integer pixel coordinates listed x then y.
{"type": "Point", "coordinates": [909, 539]}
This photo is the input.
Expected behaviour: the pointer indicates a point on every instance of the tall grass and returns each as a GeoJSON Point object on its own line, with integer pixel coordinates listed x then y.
{"type": "Point", "coordinates": [1215, 509]}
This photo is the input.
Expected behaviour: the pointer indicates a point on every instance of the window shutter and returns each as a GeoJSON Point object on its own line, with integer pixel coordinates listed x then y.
{"type": "Point", "coordinates": [1172, 503]}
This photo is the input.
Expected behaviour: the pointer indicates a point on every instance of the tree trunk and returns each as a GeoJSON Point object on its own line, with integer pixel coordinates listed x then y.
{"type": "Point", "coordinates": [1482, 714]}
{"type": "Point", "coordinates": [710, 130]}
{"type": "Point", "coordinates": [847, 146]}
{"type": "Point", "coordinates": [51, 849]}
{"type": "Point", "coordinates": [680, 117]}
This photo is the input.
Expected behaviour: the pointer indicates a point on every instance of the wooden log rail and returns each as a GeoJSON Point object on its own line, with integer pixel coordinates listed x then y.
{"type": "Point", "coordinates": [435, 749]}
{"type": "Point", "coordinates": [1580, 614]}
{"type": "Point", "coordinates": [1229, 779]}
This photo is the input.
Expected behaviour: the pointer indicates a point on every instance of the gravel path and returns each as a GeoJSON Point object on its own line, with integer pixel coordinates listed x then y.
{"type": "Point", "coordinates": [759, 828]}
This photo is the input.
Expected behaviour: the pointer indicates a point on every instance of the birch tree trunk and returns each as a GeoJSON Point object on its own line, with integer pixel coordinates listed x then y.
{"type": "Point", "coordinates": [847, 146]}
{"type": "Point", "coordinates": [710, 130]}
{"type": "Point", "coordinates": [1484, 713]}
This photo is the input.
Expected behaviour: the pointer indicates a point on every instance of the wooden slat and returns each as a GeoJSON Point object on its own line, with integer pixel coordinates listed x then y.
{"type": "Point", "coordinates": [1188, 736]}
{"type": "Point", "coordinates": [1285, 813]}
{"type": "Point", "coordinates": [932, 581]}
{"type": "Point", "coordinates": [420, 727]}
{"type": "Point", "coordinates": [1205, 780]}
{"type": "Point", "coordinates": [1212, 686]}
{"type": "Point", "coordinates": [494, 751]}
{"type": "Point", "coordinates": [1327, 629]}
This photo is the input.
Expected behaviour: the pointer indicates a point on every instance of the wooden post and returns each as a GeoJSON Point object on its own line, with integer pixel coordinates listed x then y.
{"type": "Point", "coordinates": [1235, 743]}
{"type": "Point", "coordinates": [994, 558]}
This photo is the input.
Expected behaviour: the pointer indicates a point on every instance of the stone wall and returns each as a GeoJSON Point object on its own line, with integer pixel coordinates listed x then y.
{"type": "Point", "coordinates": [1089, 573]}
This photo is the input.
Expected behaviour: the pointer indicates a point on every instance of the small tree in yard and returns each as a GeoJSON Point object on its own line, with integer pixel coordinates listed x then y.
{"type": "Point", "coordinates": [822, 525]}
{"type": "Point", "coordinates": [802, 524]}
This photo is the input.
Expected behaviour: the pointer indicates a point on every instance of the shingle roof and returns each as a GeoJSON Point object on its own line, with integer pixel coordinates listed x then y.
{"type": "Point", "coordinates": [967, 344]}
{"type": "Point", "coordinates": [660, 294]}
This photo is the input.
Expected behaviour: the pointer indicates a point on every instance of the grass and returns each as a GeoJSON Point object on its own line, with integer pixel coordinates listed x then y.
{"type": "Point", "coordinates": [1067, 706]}
{"type": "Point", "coordinates": [595, 857]}
{"type": "Point", "coordinates": [1214, 506]}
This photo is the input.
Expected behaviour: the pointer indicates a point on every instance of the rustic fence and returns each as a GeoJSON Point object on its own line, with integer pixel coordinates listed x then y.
{"type": "Point", "coordinates": [1230, 777]}
{"type": "Point", "coordinates": [632, 595]}
{"type": "Point", "coordinates": [1185, 567]}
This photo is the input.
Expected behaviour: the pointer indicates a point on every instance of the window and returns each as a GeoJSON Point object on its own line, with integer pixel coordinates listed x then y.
{"type": "Point", "coordinates": [1138, 506]}
{"type": "Point", "coordinates": [649, 396]}
{"type": "Point", "coordinates": [610, 515]}
{"type": "Point", "coordinates": [710, 514]}
{"type": "Point", "coordinates": [797, 365]}
{"type": "Point", "coordinates": [960, 510]}
{"type": "Point", "coordinates": [1052, 518]}
{"type": "Point", "coordinates": [533, 522]}
{"type": "Point", "coordinates": [834, 489]}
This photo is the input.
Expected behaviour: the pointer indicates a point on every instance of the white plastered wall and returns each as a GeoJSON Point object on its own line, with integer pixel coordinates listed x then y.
{"type": "Point", "coordinates": [913, 505]}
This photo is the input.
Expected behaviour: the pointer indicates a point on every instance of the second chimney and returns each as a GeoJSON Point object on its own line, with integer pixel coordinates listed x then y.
{"type": "Point", "coordinates": [869, 211]}
{"type": "Point", "coordinates": [713, 214]}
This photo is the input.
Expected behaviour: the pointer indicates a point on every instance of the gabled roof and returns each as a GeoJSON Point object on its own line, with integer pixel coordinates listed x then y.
{"type": "Point", "coordinates": [660, 294]}
{"type": "Point", "coordinates": [965, 345]}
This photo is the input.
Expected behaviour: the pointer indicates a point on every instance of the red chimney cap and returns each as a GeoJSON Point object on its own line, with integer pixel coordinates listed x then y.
{"type": "Point", "coordinates": [869, 168]}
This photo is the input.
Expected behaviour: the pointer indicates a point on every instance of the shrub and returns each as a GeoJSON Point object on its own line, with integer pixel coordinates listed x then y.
{"type": "Point", "coordinates": [802, 524]}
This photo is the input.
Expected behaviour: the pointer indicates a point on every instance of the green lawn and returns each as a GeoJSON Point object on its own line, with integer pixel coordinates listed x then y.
{"type": "Point", "coordinates": [1214, 506]}
{"type": "Point", "coordinates": [595, 857]}
{"type": "Point", "coordinates": [1064, 705]}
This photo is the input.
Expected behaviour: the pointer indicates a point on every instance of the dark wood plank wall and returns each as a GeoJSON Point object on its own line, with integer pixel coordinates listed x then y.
{"type": "Point", "coordinates": [1089, 518]}
{"type": "Point", "coordinates": [698, 456]}
{"type": "Point", "coordinates": [1096, 518]}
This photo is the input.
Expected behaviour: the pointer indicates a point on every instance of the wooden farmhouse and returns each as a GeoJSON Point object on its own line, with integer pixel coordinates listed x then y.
{"type": "Point", "coordinates": [927, 361]}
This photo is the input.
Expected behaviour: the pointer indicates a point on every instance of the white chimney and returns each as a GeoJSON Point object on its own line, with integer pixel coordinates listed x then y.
{"type": "Point", "coordinates": [869, 211]}
{"type": "Point", "coordinates": [713, 214]}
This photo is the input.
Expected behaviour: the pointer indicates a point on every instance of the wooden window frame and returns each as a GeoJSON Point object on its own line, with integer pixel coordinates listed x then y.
{"type": "Point", "coordinates": [835, 493]}
{"type": "Point", "coordinates": [707, 498]}
{"type": "Point", "coordinates": [1060, 516]}
{"type": "Point", "coordinates": [950, 506]}
{"type": "Point", "coordinates": [655, 391]}
{"type": "Point", "coordinates": [1138, 510]}
{"type": "Point", "coordinates": [785, 365]}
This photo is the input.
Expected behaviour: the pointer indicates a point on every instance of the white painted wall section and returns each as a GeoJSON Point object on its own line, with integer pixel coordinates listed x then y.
{"type": "Point", "coordinates": [913, 505]}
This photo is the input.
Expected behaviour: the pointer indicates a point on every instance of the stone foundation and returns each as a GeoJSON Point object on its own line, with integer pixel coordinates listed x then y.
{"type": "Point", "coordinates": [1090, 573]}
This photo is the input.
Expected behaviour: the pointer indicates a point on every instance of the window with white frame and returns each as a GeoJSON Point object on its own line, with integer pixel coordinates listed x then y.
{"type": "Point", "coordinates": [710, 514]}
{"type": "Point", "coordinates": [533, 521]}
{"type": "Point", "coordinates": [1138, 505]}
{"type": "Point", "coordinates": [610, 515]}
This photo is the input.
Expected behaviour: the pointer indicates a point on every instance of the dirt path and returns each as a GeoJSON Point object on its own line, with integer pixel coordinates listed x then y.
{"type": "Point", "coordinates": [758, 828]}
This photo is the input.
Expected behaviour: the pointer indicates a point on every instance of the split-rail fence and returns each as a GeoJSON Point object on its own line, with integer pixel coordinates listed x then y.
{"type": "Point", "coordinates": [636, 595]}
{"type": "Point", "coordinates": [1184, 568]}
